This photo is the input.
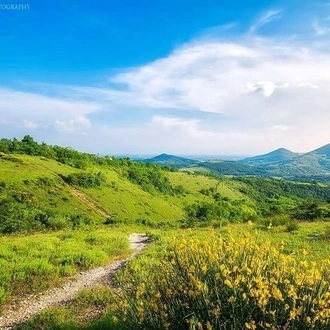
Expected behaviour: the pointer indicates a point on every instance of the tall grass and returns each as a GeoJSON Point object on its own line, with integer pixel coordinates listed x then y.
{"type": "Point", "coordinates": [34, 263]}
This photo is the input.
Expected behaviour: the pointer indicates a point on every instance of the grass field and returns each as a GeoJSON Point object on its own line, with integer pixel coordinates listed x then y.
{"type": "Point", "coordinates": [66, 226]}
{"type": "Point", "coordinates": [309, 242]}
{"type": "Point", "coordinates": [30, 264]}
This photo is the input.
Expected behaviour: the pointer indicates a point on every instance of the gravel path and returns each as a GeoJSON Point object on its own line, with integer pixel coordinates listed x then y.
{"type": "Point", "coordinates": [33, 305]}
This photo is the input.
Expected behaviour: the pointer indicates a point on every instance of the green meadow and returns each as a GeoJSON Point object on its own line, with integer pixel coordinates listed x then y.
{"type": "Point", "coordinates": [308, 242]}
{"type": "Point", "coordinates": [62, 212]}
{"type": "Point", "coordinates": [31, 264]}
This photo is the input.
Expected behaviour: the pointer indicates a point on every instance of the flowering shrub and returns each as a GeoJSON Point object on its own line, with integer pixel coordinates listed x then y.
{"type": "Point", "coordinates": [226, 284]}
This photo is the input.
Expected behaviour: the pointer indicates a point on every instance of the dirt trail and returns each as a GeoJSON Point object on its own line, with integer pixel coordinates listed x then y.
{"type": "Point", "coordinates": [80, 195]}
{"type": "Point", "coordinates": [33, 305]}
{"type": "Point", "coordinates": [83, 198]}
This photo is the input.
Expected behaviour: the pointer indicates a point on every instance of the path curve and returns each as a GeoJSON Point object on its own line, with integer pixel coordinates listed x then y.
{"type": "Point", "coordinates": [32, 306]}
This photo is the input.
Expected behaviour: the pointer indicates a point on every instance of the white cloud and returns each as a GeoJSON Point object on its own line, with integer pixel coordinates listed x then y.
{"type": "Point", "coordinates": [265, 18]}
{"type": "Point", "coordinates": [79, 125]}
{"type": "Point", "coordinates": [214, 77]}
{"type": "Point", "coordinates": [259, 85]}
{"type": "Point", "coordinates": [44, 112]}
{"type": "Point", "coordinates": [308, 85]}
{"type": "Point", "coordinates": [29, 124]}
{"type": "Point", "coordinates": [244, 97]}
{"type": "Point", "coordinates": [265, 87]}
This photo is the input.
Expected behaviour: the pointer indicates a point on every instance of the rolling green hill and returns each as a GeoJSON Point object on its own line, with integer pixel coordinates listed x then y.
{"type": "Point", "coordinates": [34, 187]}
{"type": "Point", "coordinates": [312, 164]}
{"type": "Point", "coordinates": [46, 187]}
{"type": "Point", "coordinates": [276, 156]}
{"type": "Point", "coordinates": [170, 160]}
{"type": "Point", "coordinates": [39, 193]}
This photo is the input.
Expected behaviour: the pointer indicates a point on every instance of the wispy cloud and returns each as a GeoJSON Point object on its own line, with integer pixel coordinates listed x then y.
{"type": "Point", "coordinates": [265, 18]}
{"type": "Point", "coordinates": [32, 110]}
{"type": "Point", "coordinates": [320, 30]}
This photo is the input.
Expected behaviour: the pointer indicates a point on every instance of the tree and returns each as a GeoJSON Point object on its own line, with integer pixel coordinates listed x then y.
{"type": "Point", "coordinates": [5, 145]}
{"type": "Point", "coordinates": [29, 146]}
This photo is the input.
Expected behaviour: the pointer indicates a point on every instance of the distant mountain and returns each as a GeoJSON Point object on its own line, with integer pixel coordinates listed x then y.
{"type": "Point", "coordinates": [171, 160]}
{"type": "Point", "coordinates": [276, 156]}
{"type": "Point", "coordinates": [222, 167]}
{"type": "Point", "coordinates": [313, 163]}
{"type": "Point", "coordinates": [325, 151]}
{"type": "Point", "coordinates": [282, 163]}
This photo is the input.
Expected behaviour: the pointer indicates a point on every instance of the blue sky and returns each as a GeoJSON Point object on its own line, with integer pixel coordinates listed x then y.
{"type": "Point", "coordinates": [183, 77]}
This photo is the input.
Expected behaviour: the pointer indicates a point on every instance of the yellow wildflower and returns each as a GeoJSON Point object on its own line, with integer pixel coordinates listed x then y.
{"type": "Point", "coordinates": [250, 325]}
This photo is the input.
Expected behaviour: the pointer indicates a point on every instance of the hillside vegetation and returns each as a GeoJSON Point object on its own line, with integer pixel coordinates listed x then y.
{"type": "Point", "coordinates": [37, 193]}
{"type": "Point", "coordinates": [46, 187]}
{"type": "Point", "coordinates": [63, 211]}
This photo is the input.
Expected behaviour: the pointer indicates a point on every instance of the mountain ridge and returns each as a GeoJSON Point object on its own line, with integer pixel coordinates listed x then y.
{"type": "Point", "coordinates": [278, 155]}
{"type": "Point", "coordinates": [282, 163]}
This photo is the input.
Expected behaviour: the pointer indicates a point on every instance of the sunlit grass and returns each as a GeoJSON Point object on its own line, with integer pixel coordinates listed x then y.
{"type": "Point", "coordinates": [34, 263]}
{"type": "Point", "coordinates": [146, 266]}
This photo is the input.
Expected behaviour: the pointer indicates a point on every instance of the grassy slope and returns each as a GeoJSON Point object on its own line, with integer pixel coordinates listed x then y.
{"type": "Point", "coordinates": [118, 196]}
{"type": "Point", "coordinates": [30, 169]}
{"type": "Point", "coordinates": [26, 261]}
{"type": "Point", "coordinates": [194, 183]}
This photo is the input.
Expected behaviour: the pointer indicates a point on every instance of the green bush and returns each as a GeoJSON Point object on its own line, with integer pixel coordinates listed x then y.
{"type": "Point", "coordinates": [113, 219]}
{"type": "Point", "coordinates": [274, 221]}
{"type": "Point", "coordinates": [45, 182]}
{"type": "Point", "coordinates": [291, 226]}
{"type": "Point", "coordinates": [152, 179]}
{"type": "Point", "coordinates": [85, 180]}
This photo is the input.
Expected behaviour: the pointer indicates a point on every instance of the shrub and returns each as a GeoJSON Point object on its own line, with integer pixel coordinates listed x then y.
{"type": "Point", "coordinates": [327, 233]}
{"type": "Point", "coordinates": [57, 222]}
{"type": "Point", "coordinates": [151, 179]}
{"type": "Point", "coordinates": [226, 284]}
{"type": "Point", "coordinates": [113, 219]}
{"type": "Point", "coordinates": [291, 226]}
{"type": "Point", "coordinates": [274, 221]}
{"type": "Point", "coordinates": [45, 182]}
{"type": "Point", "coordinates": [203, 211]}
{"type": "Point", "coordinates": [85, 180]}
